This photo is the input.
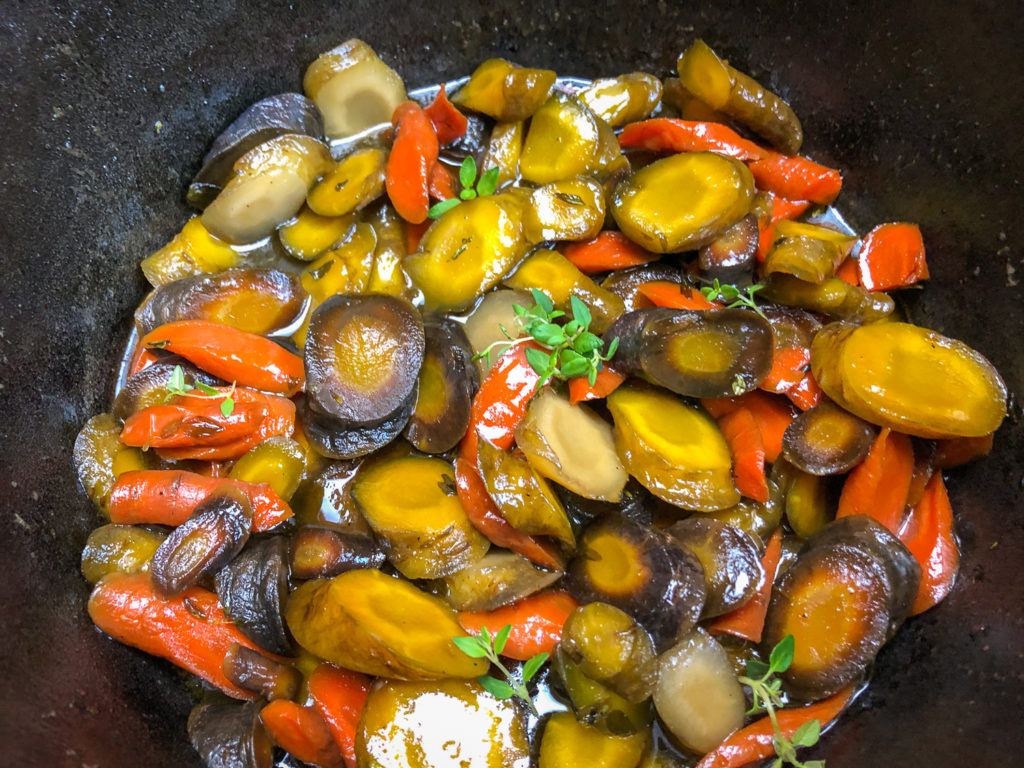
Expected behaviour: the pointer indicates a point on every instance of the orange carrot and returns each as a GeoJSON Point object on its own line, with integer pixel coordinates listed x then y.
{"type": "Point", "coordinates": [892, 256]}
{"type": "Point", "coordinates": [928, 534]}
{"type": "Point", "coordinates": [797, 178]}
{"type": "Point", "coordinates": [536, 623]}
{"type": "Point", "coordinates": [449, 124]}
{"type": "Point", "coordinates": [806, 393]}
{"type": "Point", "coordinates": [754, 742]}
{"type": "Point", "coordinates": [413, 154]}
{"type": "Point", "coordinates": [787, 209]}
{"type": "Point", "coordinates": [440, 184]}
{"type": "Point", "coordinates": [956, 451]}
{"type": "Point", "coordinates": [847, 271]}
{"type": "Point", "coordinates": [747, 621]}
{"type": "Point", "coordinates": [608, 380]}
{"type": "Point", "coordinates": [663, 293]}
{"type": "Point", "coordinates": [168, 497]}
{"type": "Point", "coordinates": [189, 422]}
{"type": "Point", "coordinates": [232, 354]}
{"type": "Point", "coordinates": [772, 414]}
{"type": "Point", "coordinates": [414, 233]}
{"type": "Point", "coordinates": [302, 732]}
{"type": "Point", "coordinates": [744, 438]}
{"type": "Point", "coordinates": [878, 486]}
{"type": "Point", "coordinates": [664, 134]}
{"type": "Point", "coordinates": [609, 250]}
{"type": "Point", "coordinates": [787, 370]}
{"type": "Point", "coordinates": [142, 358]}
{"type": "Point", "coordinates": [765, 238]}
{"type": "Point", "coordinates": [190, 630]}
{"type": "Point", "coordinates": [339, 696]}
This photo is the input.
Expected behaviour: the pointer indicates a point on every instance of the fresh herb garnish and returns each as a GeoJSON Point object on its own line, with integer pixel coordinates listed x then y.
{"type": "Point", "coordinates": [178, 386]}
{"type": "Point", "coordinates": [766, 690]}
{"type": "Point", "coordinates": [733, 295]}
{"type": "Point", "coordinates": [483, 646]}
{"type": "Point", "coordinates": [470, 187]}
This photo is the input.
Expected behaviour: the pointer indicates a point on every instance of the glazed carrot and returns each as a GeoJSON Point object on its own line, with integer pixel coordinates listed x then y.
{"type": "Point", "coordinates": [924, 470]}
{"type": "Point", "coordinates": [190, 630]}
{"type": "Point", "coordinates": [787, 209]}
{"type": "Point", "coordinates": [414, 233]}
{"type": "Point", "coordinates": [797, 178]}
{"type": "Point", "coordinates": [664, 134]}
{"type": "Point", "coordinates": [608, 380]}
{"type": "Point", "coordinates": [485, 516]}
{"type": "Point", "coordinates": [741, 432]}
{"type": "Point", "coordinates": [440, 183]}
{"type": "Point", "coordinates": [142, 358]}
{"type": "Point", "coordinates": [787, 370]}
{"type": "Point", "coordinates": [772, 414]}
{"type": "Point", "coordinates": [413, 154]}
{"type": "Point", "coordinates": [190, 422]}
{"type": "Point", "coordinates": [754, 742]}
{"type": "Point", "coordinates": [536, 623]}
{"type": "Point", "coordinates": [928, 534]}
{"type": "Point", "coordinates": [339, 696]}
{"type": "Point", "coordinates": [806, 393]}
{"type": "Point", "coordinates": [663, 293]}
{"type": "Point", "coordinates": [232, 354]}
{"type": "Point", "coordinates": [878, 486]}
{"type": "Point", "coordinates": [847, 271]}
{"type": "Point", "coordinates": [892, 256]}
{"type": "Point", "coordinates": [961, 450]}
{"type": "Point", "coordinates": [747, 621]}
{"type": "Point", "coordinates": [168, 497]}
{"type": "Point", "coordinates": [449, 124]}
{"type": "Point", "coordinates": [302, 732]}
{"type": "Point", "coordinates": [765, 238]}
{"type": "Point", "coordinates": [609, 250]}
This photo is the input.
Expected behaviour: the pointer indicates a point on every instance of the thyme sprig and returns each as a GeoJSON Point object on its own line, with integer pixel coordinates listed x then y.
{"type": "Point", "coordinates": [178, 386]}
{"type": "Point", "coordinates": [471, 188]}
{"type": "Point", "coordinates": [484, 646]}
{"type": "Point", "coordinates": [730, 293]}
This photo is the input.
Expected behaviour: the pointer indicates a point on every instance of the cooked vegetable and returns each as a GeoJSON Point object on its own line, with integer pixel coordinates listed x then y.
{"type": "Point", "coordinates": [503, 150]}
{"type": "Point", "coordinates": [260, 674]}
{"type": "Point", "coordinates": [448, 379]}
{"type": "Point", "coordinates": [756, 518]}
{"type": "Point", "coordinates": [928, 534]}
{"type": "Point", "coordinates": [100, 458]}
{"type": "Point", "coordinates": [626, 283]}
{"type": "Point", "coordinates": [731, 560]}
{"type": "Point", "coordinates": [230, 735]}
{"type": "Point", "coordinates": [484, 325]}
{"type": "Point", "coordinates": [806, 507]}
{"type": "Point", "coordinates": [609, 647]}
{"type": "Point", "coordinates": [832, 297]}
{"type": "Point", "coordinates": [623, 99]}
{"type": "Point", "coordinates": [741, 432]}
{"type": "Point", "coordinates": [253, 589]}
{"type": "Point", "coordinates": [570, 209]}
{"type": "Point", "coordinates": [879, 486]}
{"type": "Point", "coordinates": [892, 256]}
{"type": "Point", "coordinates": [339, 440]}
{"type": "Point", "coordinates": [497, 579]}
{"type": "Point", "coordinates": [353, 88]}
{"type": "Point", "coordinates": [747, 621]}
{"type": "Point", "coordinates": [119, 549]}
{"type": "Point", "coordinates": [730, 257]}
{"type": "Point", "coordinates": [910, 379]}
{"type": "Point", "coordinates": [797, 178]}
{"type": "Point", "coordinates": [669, 135]}
{"type": "Point", "coordinates": [302, 732]}
{"type": "Point", "coordinates": [309, 234]}
{"type": "Point", "coordinates": [447, 724]}
{"type": "Point", "coordinates": [806, 251]}
{"type": "Point", "coordinates": [563, 141]}
{"type": "Point", "coordinates": [697, 695]}
{"type": "Point", "coordinates": [449, 124]}
{"type": "Point", "coordinates": [505, 91]}
{"type": "Point", "coordinates": [339, 695]}
{"type": "Point", "coordinates": [279, 461]}
{"type": "Point", "coordinates": [596, 704]}
{"type": "Point", "coordinates": [355, 182]}
{"type": "Point", "coordinates": [568, 743]}
{"type": "Point", "coordinates": [683, 201]}
{"type": "Point", "coordinates": [606, 382]}
{"type": "Point", "coordinates": [319, 553]}
{"type": "Point", "coordinates": [193, 251]}
{"type": "Point", "coordinates": [372, 623]}
{"type": "Point", "coordinates": [609, 250]}
{"type": "Point", "coordinates": [674, 450]}
{"type": "Point", "coordinates": [571, 445]}
{"type": "Point", "coordinates": [826, 440]}
{"type": "Point", "coordinates": [411, 503]}
{"type": "Point", "coordinates": [409, 164]}
{"type": "Point", "coordinates": [641, 571]}
{"type": "Point", "coordinates": [535, 624]}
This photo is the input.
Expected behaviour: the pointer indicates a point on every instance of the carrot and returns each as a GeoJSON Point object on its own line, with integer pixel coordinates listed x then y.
{"type": "Point", "coordinates": [189, 630]}
{"type": "Point", "coordinates": [609, 250]}
{"type": "Point", "coordinates": [485, 516]}
{"type": "Point", "coordinates": [536, 623]}
{"type": "Point", "coordinates": [765, 238]}
{"type": "Point", "coordinates": [787, 370]}
{"type": "Point", "coordinates": [892, 256]}
{"type": "Point", "coordinates": [168, 496]}
{"type": "Point", "coordinates": [664, 134]}
{"type": "Point", "coordinates": [663, 293]}
{"type": "Point", "coordinates": [232, 354]}
{"type": "Point", "coordinates": [189, 422]}
{"type": "Point", "coordinates": [772, 414]}
{"type": "Point", "coordinates": [440, 184]}
{"type": "Point", "coordinates": [928, 534]}
{"type": "Point", "coordinates": [449, 124]}
{"type": "Point", "coordinates": [960, 450]}
{"type": "Point", "coordinates": [847, 271]}
{"type": "Point", "coordinates": [142, 358]}
{"type": "Point", "coordinates": [339, 696]}
{"type": "Point", "coordinates": [302, 732]}
{"type": "Point", "coordinates": [608, 380]}
{"type": "Point", "coordinates": [414, 233]}
{"type": "Point", "coordinates": [747, 621]}
{"type": "Point", "coordinates": [754, 742]}
{"type": "Point", "coordinates": [879, 485]}
{"type": "Point", "coordinates": [797, 178]}
{"type": "Point", "coordinates": [781, 208]}
{"type": "Point", "coordinates": [413, 154]}
{"type": "Point", "coordinates": [806, 393]}
{"type": "Point", "coordinates": [748, 455]}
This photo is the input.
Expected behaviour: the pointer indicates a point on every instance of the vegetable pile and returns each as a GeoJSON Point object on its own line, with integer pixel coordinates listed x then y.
{"type": "Point", "coordinates": [552, 423]}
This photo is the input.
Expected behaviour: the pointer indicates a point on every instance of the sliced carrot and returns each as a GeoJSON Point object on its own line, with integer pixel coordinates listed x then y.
{"type": "Point", "coordinates": [414, 233]}
{"type": "Point", "coordinates": [847, 271]}
{"type": "Point", "coordinates": [142, 358]}
{"type": "Point", "coordinates": [449, 123]}
{"type": "Point", "coordinates": [609, 250]}
{"type": "Point", "coordinates": [168, 497]}
{"type": "Point", "coordinates": [747, 621]}
{"type": "Point", "coordinates": [232, 354]}
{"type": "Point", "coordinates": [608, 380]}
{"type": "Point", "coordinates": [806, 393]}
{"type": "Point", "coordinates": [663, 293]}
{"type": "Point", "coordinates": [765, 238]}
{"type": "Point", "coordinates": [755, 741]}
{"type": "Point", "coordinates": [189, 630]}
{"type": "Point", "coordinates": [956, 451]}
{"type": "Point", "coordinates": [878, 486]}
{"type": "Point", "coordinates": [339, 695]}
{"type": "Point", "coordinates": [748, 455]}
{"type": "Point", "coordinates": [189, 422]}
{"type": "Point", "coordinates": [663, 134]}
{"type": "Point", "coordinates": [536, 623]}
{"type": "Point", "coordinates": [302, 732]}
{"type": "Point", "coordinates": [787, 209]}
{"type": "Point", "coordinates": [892, 256]}
{"type": "Point", "coordinates": [413, 153]}
{"type": "Point", "coordinates": [928, 534]}
{"type": "Point", "coordinates": [788, 366]}
{"type": "Point", "coordinates": [772, 414]}
{"type": "Point", "coordinates": [797, 178]}
{"type": "Point", "coordinates": [441, 185]}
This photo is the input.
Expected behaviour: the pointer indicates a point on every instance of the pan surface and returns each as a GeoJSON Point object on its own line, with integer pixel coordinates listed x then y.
{"type": "Point", "coordinates": [108, 108]}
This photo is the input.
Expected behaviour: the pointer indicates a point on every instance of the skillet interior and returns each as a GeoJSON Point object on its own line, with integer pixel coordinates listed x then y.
{"type": "Point", "coordinates": [918, 104]}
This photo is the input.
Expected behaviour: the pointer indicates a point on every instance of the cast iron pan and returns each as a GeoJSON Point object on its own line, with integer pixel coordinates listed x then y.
{"type": "Point", "coordinates": [918, 103]}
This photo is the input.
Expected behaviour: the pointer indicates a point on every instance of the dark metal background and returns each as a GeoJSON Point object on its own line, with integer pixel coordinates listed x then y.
{"type": "Point", "coordinates": [918, 103]}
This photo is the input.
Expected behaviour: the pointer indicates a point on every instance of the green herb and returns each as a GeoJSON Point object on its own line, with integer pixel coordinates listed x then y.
{"type": "Point", "coordinates": [471, 188]}
{"type": "Point", "coordinates": [766, 691]}
{"type": "Point", "coordinates": [483, 646]}
{"type": "Point", "coordinates": [733, 295]}
{"type": "Point", "coordinates": [569, 198]}
{"type": "Point", "coordinates": [178, 386]}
